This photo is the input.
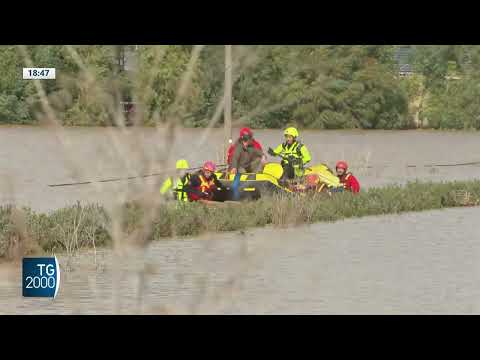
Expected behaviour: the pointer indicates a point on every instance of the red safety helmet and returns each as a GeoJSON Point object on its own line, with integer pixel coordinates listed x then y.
{"type": "Point", "coordinates": [246, 133]}
{"type": "Point", "coordinates": [209, 166]}
{"type": "Point", "coordinates": [312, 179]}
{"type": "Point", "coordinates": [342, 165]}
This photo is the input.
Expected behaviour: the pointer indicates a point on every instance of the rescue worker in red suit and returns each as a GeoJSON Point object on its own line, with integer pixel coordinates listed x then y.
{"type": "Point", "coordinates": [350, 182]}
{"type": "Point", "coordinates": [203, 184]}
{"type": "Point", "coordinates": [246, 154]}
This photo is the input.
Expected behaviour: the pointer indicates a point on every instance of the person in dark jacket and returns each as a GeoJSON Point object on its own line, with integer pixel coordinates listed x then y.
{"type": "Point", "coordinates": [246, 155]}
{"type": "Point", "coordinates": [204, 184]}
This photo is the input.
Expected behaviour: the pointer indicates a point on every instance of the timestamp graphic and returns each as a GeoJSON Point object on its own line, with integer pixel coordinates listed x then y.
{"type": "Point", "coordinates": [39, 73]}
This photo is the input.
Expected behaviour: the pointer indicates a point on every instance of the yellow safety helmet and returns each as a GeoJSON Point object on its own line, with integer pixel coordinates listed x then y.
{"type": "Point", "coordinates": [291, 131]}
{"type": "Point", "coordinates": [182, 164]}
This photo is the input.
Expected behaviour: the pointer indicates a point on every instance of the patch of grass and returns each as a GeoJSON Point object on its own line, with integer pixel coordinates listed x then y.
{"type": "Point", "coordinates": [69, 229]}
{"type": "Point", "coordinates": [6, 230]}
{"type": "Point", "coordinates": [76, 227]}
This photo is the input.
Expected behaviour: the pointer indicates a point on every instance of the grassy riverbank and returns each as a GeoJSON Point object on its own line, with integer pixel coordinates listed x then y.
{"type": "Point", "coordinates": [23, 231]}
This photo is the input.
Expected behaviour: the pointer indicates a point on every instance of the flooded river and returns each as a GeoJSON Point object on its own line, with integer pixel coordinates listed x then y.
{"type": "Point", "coordinates": [31, 158]}
{"type": "Point", "coordinates": [418, 263]}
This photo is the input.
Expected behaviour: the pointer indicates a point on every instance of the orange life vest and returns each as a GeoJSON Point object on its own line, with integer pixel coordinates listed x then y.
{"type": "Point", "coordinates": [206, 185]}
{"type": "Point", "coordinates": [344, 179]}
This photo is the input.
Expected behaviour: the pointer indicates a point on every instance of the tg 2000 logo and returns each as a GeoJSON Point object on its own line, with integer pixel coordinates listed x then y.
{"type": "Point", "coordinates": [41, 277]}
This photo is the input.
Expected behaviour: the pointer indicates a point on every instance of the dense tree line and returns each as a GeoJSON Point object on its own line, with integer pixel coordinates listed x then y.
{"type": "Point", "coordinates": [450, 77]}
{"type": "Point", "coordinates": [327, 87]}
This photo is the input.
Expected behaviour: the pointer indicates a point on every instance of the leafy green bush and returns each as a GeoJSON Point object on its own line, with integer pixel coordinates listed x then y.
{"type": "Point", "coordinates": [13, 110]}
{"type": "Point", "coordinates": [69, 229]}
{"type": "Point", "coordinates": [6, 232]}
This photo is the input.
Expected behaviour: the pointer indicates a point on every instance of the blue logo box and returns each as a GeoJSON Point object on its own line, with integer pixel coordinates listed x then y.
{"type": "Point", "coordinates": [41, 277]}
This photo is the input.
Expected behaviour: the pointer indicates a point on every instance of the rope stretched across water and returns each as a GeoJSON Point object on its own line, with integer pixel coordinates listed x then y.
{"type": "Point", "coordinates": [473, 163]}
{"type": "Point", "coordinates": [125, 178]}
{"type": "Point", "coordinates": [449, 165]}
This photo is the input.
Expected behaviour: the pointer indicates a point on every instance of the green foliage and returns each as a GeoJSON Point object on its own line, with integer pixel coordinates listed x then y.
{"type": "Point", "coordinates": [86, 93]}
{"type": "Point", "coordinates": [451, 81]}
{"type": "Point", "coordinates": [13, 109]}
{"type": "Point", "coordinates": [432, 62]}
{"type": "Point", "coordinates": [310, 86]}
{"type": "Point", "coordinates": [456, 106]}
{"type": "Point", "coordinates": [322, 87]}
{"type": "Point", "coordinates": [6, 231]}
{"type": "Point", "coordinates": [69, 229]}
{"type": "Point", "coordinates": [160, 70]}
{"type": "Point", "coordinates": [14, 91]}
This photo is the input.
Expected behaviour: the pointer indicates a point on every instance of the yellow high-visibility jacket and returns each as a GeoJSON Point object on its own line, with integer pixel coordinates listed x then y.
{"type": "Point", "coordinates": [180, 183]}
{"type": "Point", "coordinates": [298, 151]}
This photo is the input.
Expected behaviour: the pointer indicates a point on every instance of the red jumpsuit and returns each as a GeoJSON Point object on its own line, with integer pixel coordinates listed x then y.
{"type": "Point", "coordinates": [350, 182]}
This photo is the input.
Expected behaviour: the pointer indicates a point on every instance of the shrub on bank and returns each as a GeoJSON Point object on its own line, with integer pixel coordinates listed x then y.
{"type": "Point", "coordinates": [63, 230]}
{"type": "Point", "coordinates": [76, 227]}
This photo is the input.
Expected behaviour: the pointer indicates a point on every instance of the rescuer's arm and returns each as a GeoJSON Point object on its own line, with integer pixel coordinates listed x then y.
{"type": "Point", "coordinates": [306, 157]}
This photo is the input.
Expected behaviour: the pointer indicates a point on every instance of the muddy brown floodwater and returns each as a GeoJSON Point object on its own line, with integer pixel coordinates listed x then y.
{"type": "Point", "coordinates": [417, 263]}
{"type": "Point", "coordinates": [32, 157]}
